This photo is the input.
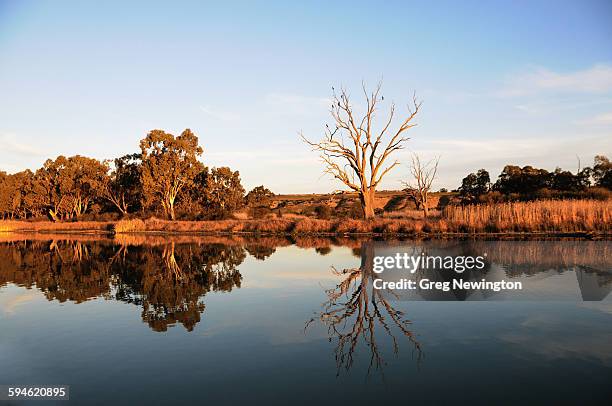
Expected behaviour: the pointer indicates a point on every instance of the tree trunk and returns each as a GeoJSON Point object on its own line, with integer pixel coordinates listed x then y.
{"type": "Point", "coordinates": [171, 210]}
{"type": "Point", "coordinates": [424, 202]}
{"type": "Point", "coordinates": [53, 215]}
{"type": "Point", "coordinates": [366, 197]}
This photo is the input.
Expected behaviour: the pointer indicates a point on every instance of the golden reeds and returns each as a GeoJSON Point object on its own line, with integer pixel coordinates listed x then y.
{"type": "Point", "coordinates": [129, 226]}
{"type": "Point", "coordinates": [519, 217]}
{"type": "Point", "coordinates": [538, 216]}
{"type": "Point", "coordinates": [36, 226]}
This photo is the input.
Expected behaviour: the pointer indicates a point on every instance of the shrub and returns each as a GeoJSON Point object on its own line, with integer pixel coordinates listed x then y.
{"type": "Point", "coordinates": [356, 211]}
{"type": "Point", "coordinates": [259, 212]}
{"type": "Point", "coordinates": [323, 212]}
{"type": "Point", "coordinates": [491, 197]}
{"type": "Point", "coordinates": [129, 226]}
{"type": "Point", "coordinates": [312, 226]}
{"type": "Point", "coordinates": [353, 226]}
{"type": "Point", "coordinates": [598, 193]}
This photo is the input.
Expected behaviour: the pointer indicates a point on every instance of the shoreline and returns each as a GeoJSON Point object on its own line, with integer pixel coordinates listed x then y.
{"type": "Point", "coordinates": [110, 232]}
{"type": "Point", "coordinates": [584, 218]}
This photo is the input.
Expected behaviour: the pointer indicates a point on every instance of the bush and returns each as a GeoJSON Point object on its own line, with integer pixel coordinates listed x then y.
{"type": "Point", "coordinates": [598, 193]}
{"type": "Point", "coordinates": [323, 212]}
{"type": "Point", "coordinates": [491, 197]}
{"type": "Point", "coordinates": [259, 212]}
{"type": "Point", "coordinates": [444, 201]}
{"type": "Point", "coordinates": [312, 226]}
{"type": "Point", "coordinates": [128, 226]}
{"type": "Point", "coordinates": [356, 211]}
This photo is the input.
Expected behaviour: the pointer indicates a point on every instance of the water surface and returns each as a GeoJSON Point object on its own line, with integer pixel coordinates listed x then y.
{"type": "Point", "coordinates": [228, 321]}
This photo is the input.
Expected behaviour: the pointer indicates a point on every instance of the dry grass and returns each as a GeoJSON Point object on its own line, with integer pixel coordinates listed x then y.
{"type": "Point", "coordinates": [129, 226]}
{"type": "Point", "coordinates": [530, 217]}
{"type": "Point", "coordinates": [538, 216]}
{"type": "Point", "coordinates": [36, 226]}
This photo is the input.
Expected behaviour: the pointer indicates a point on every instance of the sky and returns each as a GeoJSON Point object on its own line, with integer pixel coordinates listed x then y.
{"type": "Point", "coordinates": [502, 82]}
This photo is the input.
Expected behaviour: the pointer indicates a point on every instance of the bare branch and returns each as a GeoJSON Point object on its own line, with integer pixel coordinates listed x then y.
{"type": "Point", "coordinates": [364, 167]}
{"type": "Point", "coordinates": [424, 175]}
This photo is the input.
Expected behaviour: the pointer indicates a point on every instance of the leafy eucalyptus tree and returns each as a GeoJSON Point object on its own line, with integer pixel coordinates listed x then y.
{"type": "Point", "coordinates": [70, 185]}
{"type": "Point", "coordinates": [122, 187]}
{"type": "Point", "coordinates": [169, 166]}
{"type": "Point", "coordinates": [223, 192]}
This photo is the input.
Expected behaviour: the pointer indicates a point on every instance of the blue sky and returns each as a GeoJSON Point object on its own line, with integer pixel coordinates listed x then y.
{"type": "Point", "coordinates": [517, 82]}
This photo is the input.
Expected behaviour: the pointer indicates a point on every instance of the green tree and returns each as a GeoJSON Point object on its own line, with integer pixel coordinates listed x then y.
{"type": "Point", "coordinates": [7, 195]}
{"type": "Point", "coordinates": [566, 181]}
{"type": "Point", "coordinates": [258, 196]}
{"type": "Point", "coordinates": [10, 196]}
{"type": "Point", "coordinates": [70, 185]}
{"type": "Point", "coordinates": [525, 181]}
{"type": "Point", "coordinates": [169, 166]}
{"type": "Point", "coordinates": [474, 185]}
{"type": "Point", "coordinates": [123, 187]}
{"type": "Point", "coordinates": [223, 192]}
{"type": "Point", "coordinates": [602, 172]}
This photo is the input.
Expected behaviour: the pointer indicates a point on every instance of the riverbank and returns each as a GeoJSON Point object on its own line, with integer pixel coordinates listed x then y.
{"type": "Point", "coordinates": [301, 227]}
{"type": "Point", "coordinates": [539, 217]}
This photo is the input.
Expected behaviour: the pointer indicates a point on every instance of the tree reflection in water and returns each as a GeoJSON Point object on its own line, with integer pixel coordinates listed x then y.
{"type": "Point", "coordinates": [169, 281]}
{"type": "Point", "coordinates": [174, 291]}
{"type": "Point", "coordinates": [354, 311]}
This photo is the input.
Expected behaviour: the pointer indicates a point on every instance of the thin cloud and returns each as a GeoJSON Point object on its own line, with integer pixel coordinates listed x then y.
{"type": "Point", "coordinates": [594, 80]}
{"type": "Point", "coordinates": [297, 104]}
{"type": "Point", "coordinates": [9, 306]}
{"type": "Point", "coordinates": [219, 115]}
{"type": "Point", "coordinates": [458, 156]}
{"type": "Point", "coordinates": [600, 119]}
{"type": "Point", "coordinates": [504, 149]}
{"type": "Point", "coordinates": [564, 104]}
{"type": "Point", "coordinates": [10, 143]}
{"type": "Point", "coordinates": [268, 156]}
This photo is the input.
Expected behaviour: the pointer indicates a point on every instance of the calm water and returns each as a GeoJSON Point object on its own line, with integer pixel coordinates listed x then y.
{"type": "Point", "coordinates": [218, 321]}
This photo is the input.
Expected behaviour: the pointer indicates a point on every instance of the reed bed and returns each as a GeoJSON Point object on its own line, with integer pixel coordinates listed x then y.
{"type": "Point", "coordinates": [538, 216]}
{"type": "Point", "coordinates": [518, 217]}
{"type": "Point", "coordinates": [529, 256]}
{"type": "Point", "coordinates": [37, 226]}
{"type": "Point", "coordinates": [129, 226]}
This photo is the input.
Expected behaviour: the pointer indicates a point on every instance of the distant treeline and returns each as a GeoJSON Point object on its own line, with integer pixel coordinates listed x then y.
{"type": "Point", "coordinates": [528, 183]}
{"type": "Point", "coordinates": [164, 177]}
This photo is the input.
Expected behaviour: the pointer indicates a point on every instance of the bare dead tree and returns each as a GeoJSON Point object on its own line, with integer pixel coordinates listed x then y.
{"type": "Point", "coordinates": [423, 176]}
{"type": "Point", "coordinates": [354, 152]}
